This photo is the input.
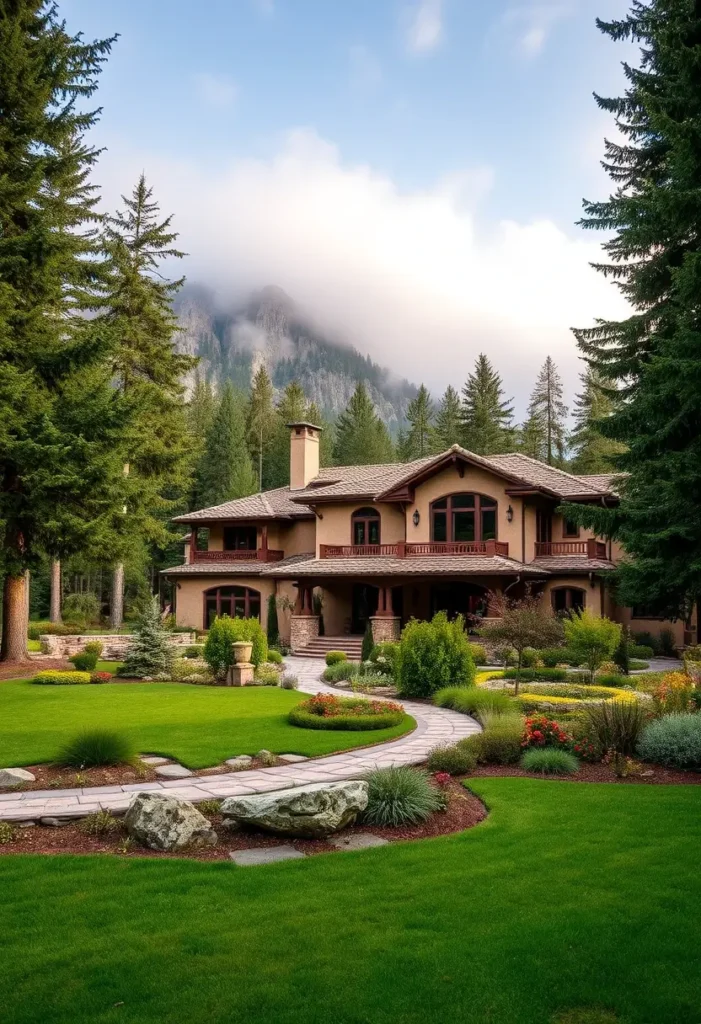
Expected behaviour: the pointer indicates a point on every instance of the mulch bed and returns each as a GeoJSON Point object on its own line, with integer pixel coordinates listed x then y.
{"type": "Point", "coordinates": [649, 774]}
{"type": "Point", "coordinates": [24, 669]}
{"type": "Point", "coordinates": [463, 811]}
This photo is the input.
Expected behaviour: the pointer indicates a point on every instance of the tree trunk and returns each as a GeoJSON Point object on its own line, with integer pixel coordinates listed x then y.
{"type": "Point", "coordinates": [14, 619]}
{"type": "Point", "coordinates": [55, 601]}
{"type": "Point", "coordinates": [117, 603]}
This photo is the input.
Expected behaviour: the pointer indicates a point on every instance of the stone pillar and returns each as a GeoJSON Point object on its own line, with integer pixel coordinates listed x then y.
{"type": "Point", "coordinates": [385, 627]}
{"type": "Point", "coordinates": [303, 628]}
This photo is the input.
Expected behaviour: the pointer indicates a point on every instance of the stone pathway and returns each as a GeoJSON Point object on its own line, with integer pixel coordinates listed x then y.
{"type": "Point", "coordinates": [434, 726]}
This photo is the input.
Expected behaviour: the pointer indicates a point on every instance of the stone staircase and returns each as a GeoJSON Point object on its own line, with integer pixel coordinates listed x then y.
{"type": "Point", "coordinates": [351, 646]}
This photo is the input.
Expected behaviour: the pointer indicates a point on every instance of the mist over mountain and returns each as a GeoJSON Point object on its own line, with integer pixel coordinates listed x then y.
{"type": "Point", "coordinates": [269, 328]}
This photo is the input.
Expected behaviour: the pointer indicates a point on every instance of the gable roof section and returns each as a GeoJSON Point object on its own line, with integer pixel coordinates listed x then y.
{"type": "Point", "coordinates": [274, 504]}
{"type": "Point", "coordinates": [336, 483]}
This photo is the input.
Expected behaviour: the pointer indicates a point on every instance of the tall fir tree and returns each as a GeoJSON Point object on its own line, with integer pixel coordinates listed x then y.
{"type": "Point", "coordinates": [654, 355]}
{"type": "Point", "coordinates": [201, 409]}
{"type": "Point", "coordinates": [591, 451]}
{"type": "Point", "coordinates": [226, 471]}
{"type": "Point", "coordinates": [361, 436]}
{"type": "Point", "coordinates": [486, 414]}
{"type": "Point", "coordinates": [448, 429]}
{"type": "Point", "coordinates": [148, 371]}
{"type": "Point", "coordinates": [261, 421]}
{"type": "Point", "coordinates": [60, 419]}
{"type": "Point", "coordinates": [419, 435]}
{"type": "Point", "coordinates": [545, 429]}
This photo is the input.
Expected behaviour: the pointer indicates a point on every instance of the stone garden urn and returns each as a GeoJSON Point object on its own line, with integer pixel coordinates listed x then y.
{"type": "Point", "coordinates": [242, 652]}
{"type": "Point", "coordinates": [241, 672]}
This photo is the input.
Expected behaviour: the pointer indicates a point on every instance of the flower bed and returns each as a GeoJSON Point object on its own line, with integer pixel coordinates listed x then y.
{"type": "Point", "coordinates": [327, 711]}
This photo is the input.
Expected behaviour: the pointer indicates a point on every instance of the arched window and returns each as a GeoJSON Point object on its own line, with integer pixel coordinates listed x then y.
{"type": "Point", "coordinates": [464, 517]}
{"type": "Point", "coordinates": [568, 599]}
{"type": "Point", "coordinates": [238, 602]}
{"type": "Point", "coordinates": [365, 526]}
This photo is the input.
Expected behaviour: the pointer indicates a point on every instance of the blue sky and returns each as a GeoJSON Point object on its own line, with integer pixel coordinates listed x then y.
{"type": "Point", "coordinates": [464, 128]}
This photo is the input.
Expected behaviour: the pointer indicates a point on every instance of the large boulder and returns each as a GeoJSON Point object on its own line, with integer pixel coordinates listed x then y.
{"type": "Point", "coordinates": [163, 822]}
{"type": "Point", "coordinates": [14, 777]}
{"type": "Point", "coordinates": [309, 812]}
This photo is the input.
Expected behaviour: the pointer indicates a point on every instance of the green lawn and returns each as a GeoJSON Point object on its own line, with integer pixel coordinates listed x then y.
{"type": "Point", "coordinates": [198, 725]}
{"type": "Point", "coordinates": [569, 895]}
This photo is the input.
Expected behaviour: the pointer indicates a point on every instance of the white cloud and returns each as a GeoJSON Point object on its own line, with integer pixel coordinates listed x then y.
{"type": "Point", "coordinates": [424, 25]}
{"type": "Point", "coordinates": [408, 277]}
{"type": "Point", "coordinates": [215, 90]}
{"type": "Point", "coordinates": [531, 24]}
{"type": "Point", "coordinates": [365, 69]}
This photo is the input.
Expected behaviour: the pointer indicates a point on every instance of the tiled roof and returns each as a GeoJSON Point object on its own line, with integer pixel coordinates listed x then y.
{"type": "Point", "coordinates": [603, 481]}
{"type": "Point", "coordinates": [573, 563]}
{"type": "Point", "coordinates": [357, 481]}
{"type": "Point", "coordinates": [440, 565]}
{"type": "Point", "coordinates": [265, 505]}
{"type": "Point", "coordinates": [215, 569]}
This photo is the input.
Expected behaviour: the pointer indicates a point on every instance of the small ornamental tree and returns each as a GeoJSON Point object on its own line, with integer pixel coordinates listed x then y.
{"type": "Point", "coordinates": [591, 640]}
{"type": "Point", "coordinates": [149, 653]}
{"type": "Point", "coordinates": [529, 622]}
{"type": "Point", "coordinates": [433, 655]}
{"type": "Point", "coordinates": [273, 627]}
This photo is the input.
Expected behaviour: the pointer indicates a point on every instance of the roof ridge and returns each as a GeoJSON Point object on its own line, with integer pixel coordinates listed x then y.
{"type": "Point", "coordinates": [538, 462]}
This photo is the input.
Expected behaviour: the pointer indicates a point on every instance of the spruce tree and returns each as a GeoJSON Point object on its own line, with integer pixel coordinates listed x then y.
{"type": "Point", "coordinates": [226, 471]}
{"type": "Point", "coordinates": [654, 355]}
{"type": "Point", "coordinates": [149, 653]}
{"type": "Point", "coordinates": [448, 429]}
{"type": "Point", "coordinates": [591, 451]}
{"type": "Point", "coordinates": [419, 435]}
{"type": "Point", "coordinates": [532, 438]}
{"type": "Point", "coordinates": [547, 416]}
{"type": "Point", "coordinates": [261, 421]}
{"type": "Point", "coordinates": [486, 414]}
{"type": "Point", "coordinates": [361, 436]}
{"type": "Point", "coordinates": [60, 420]}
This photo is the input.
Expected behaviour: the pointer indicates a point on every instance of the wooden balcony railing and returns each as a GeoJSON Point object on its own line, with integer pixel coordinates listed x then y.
{"type": "Point", "coordinates": [239, 555]}
{"type": "Point", "coordinates": [583, 548]}
{"type": "Point", "coordinates": [403, 550]}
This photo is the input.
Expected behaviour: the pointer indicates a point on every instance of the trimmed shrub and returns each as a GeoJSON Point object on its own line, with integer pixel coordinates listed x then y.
{"type": "Point", "coordinates": [224, 631]}
{"type": "Point", "coordinates": [616, 725]}
{"type": "Point", "coordinates": [384, 657]}
{"type": "Point", "coordinates": [639, 666]}
{"type": "Point", "coordinates": [335, 657]}
{"type": "Point", "coordinates": [500, 743]}
{"type": "Point", "coordinates": [96, 747]}
{"type": "Point", "coordinates": [674, 740]}
{"type": "Point", "coordinates": [267, 675]}
{"type": "Point", "coordinates": [353, 714]}
{"type": "Point", "coordinates": [95, 647]}
{"type": "Point", "coordinates": [529, 675]}
{"type": "Point", "coordinates": [53, 677]}
{"type": "Point", "coordinates": [553, 656]}
{"type": "Point", "coordinates": [530, 657]}
{"type": "Point", "coordinates": [400, 796]}
{"type": "Point", "coordinates": [473, 699]}
{"type": "Point", "coordinates": [645, 639]}
{"type": "Point", "coordinates": [479, 654]}
{"type": "Point", "coordinates": [273, 631]}
{"type": "Point", "coordinates": [84, 661]}
{"type": "Point", "coordinates": [643, 651]}
{"type": "Point", "coordinates": [274, 657]}
{"type": "Point", "coordinates": [549, 761]}
{"type": "Point", "coordinates": [453, 760]}
{"type": "Point", "coordinates": [100, 677]}
{"type": "Point", "coordinates": [433, 655]}
{"type": "Point", "coordinates": [194, 651]}
{"type": "Point", "coordinates": [289, 682]}
{"type": "Point", "coordinates": [344, 670]}
{"type": "Point", "coordinates": [149, 653]}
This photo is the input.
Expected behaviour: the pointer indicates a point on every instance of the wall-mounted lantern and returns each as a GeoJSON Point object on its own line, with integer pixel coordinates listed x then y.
{"type": "Point", "coordinates": [416, 518]}
{"type": "Point", "coordinates": [509, 514]}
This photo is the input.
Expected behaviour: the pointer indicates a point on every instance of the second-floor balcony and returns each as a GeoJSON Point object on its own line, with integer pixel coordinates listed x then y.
{"type": "Point", "coordinates": [591, 548]}
{"type": "Point", "coordinates": [402, 549]}
{"type": "Point", "coordinates": [239, 555]}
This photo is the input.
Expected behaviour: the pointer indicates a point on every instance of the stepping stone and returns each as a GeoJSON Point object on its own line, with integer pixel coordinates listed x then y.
{"type": "Point", "coordinates": [153, 761]}
{"type": "Point", "coordinates": [173, 771]}
{"type": "Point", "coordinates": [292, 758]}
{"type": "Point", "coordinates": [242, 761]}
{"type": "Point", "coordinates": [265, 855]}
{"type": "Point", "coordinates": [14, 777]}
{"type": "Point", "coordinates": [362, 841]}
{"type": "Point", "coordinates": [54, 822]}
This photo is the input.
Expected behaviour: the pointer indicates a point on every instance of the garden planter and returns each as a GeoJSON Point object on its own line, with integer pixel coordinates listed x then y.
{"type": "Point", "coordinates": [242, 652]}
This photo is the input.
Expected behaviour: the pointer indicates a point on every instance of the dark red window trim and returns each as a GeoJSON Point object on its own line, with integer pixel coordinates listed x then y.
{"type": "Point", "coordinates": [228, 601]}
{"type": "Point", "coordinates": [490, 505]}
{"type": "Point", "coordinates": [566, 532]}
{"type": "Point", "coordinates": [569, 591]}
{"type": "Point", "coordinates": [366, 516]}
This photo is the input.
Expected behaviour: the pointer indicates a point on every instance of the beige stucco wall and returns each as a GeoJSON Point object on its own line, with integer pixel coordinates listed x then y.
{"type": "Point", "coordinates": [296, 538]}
{"type": "Point", "coordinates": [593, 599]}
{"type": "Point", "coordinates": [654, 626]}
{"type": "Point", "coordinates": [189, 601]}
{"type": "Point", "coordinates": [335, 526]}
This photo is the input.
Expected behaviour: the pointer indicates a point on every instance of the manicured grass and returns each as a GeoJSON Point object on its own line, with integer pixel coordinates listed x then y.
{"type": "Point", "coordinates": [198, 725]}
{"type": "Point", "coordinates": [569, 895]}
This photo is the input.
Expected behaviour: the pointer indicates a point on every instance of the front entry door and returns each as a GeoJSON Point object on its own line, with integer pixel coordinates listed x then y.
{"type": "Point", "coordinates": [364, 605]}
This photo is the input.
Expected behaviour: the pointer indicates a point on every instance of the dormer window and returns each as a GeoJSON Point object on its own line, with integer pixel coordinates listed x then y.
{"type": "Point", "coordinates": [365, 526]}
{"type": "Point", "coordinates": [464, 517]}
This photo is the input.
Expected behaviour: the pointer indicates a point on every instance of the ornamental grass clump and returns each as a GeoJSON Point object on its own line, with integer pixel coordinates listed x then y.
{"type": "Point", "coordinates": [433, 655]}
{"type": "Point", "coordinates": [470, 700]}
{"type": "Point", "coordinates": [549, 761]}
{"type": "Point", "coordinates": [616, 725]}
{"type": "Point", "coordinates": [95, 748]}
{"type": "Point", "coordinates": [453, 760]}
{"type": "Point", "coordinates": [400, 796]}
{"type": "Point", "coordinates": [674, 740]}
{"type": "Point", "coordinates": [500, 741]}
{"type": "Point", "coordinates": [341, 672]}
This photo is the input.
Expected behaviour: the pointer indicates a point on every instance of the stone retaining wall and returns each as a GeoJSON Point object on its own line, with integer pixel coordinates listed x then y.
{"type": "Point", "coordinates": [114, 645]}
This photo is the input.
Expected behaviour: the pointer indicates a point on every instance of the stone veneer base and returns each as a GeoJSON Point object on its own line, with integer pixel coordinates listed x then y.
{"type": "Point", "coordinates": [385, 627]}
{"type": "Point", "coordinates": [303, 628]}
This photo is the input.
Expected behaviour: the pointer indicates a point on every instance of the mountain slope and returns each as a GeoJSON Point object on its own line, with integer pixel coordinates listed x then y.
{"type": "Point", "coordinates": [270, 329]}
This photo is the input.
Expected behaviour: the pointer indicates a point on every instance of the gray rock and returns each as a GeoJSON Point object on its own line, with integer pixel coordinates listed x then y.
{"type": "Point", "coordinates": [163, 822]}
{"type": "Point", "coordinates": [292, 758]}
{"type": "Point", "coordinates": [25, 824]}
{"type": "Point", "coordinates": [54, 822]}
{"type": "Point", "coordinates": [154, 761]}
{"type": "Point", "coordinates": [310, 811]}
{"type": "Point", "coordinates": [242, 761]}
{"type": "Point", "coordinates": [14, 777]}
{"type": "Point", "coordinates": [264, 855]}
{"type": "Point", "coordinates": [173, 771]}
{"type": "Point", "coordinates": [361, 841]}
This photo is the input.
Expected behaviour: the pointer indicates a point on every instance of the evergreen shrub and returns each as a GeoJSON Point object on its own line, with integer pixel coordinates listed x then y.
{"type": "Point", "coordinates": [334, 657]}
{"type": "Point", "coordinates": [224, 631]}
{"type": "Point", "coordinates": [453, 760]}
{"type": "Point", "coordinates": [54, 677]}
{"type": "Point", "coordinates": [274, 657]}
{"type": "Point", "coordinates": [674, 740]}
{"type": "Point", "coordinates": [84, 661]}
{"type": "Point", "coordinates": [149, 654]}
{"type": "Point", "coordinates": [434, 655]}
{"type": "Point", "coordinates": [549, 761]}
{"type": "Point", "coordinates": [479, 654]}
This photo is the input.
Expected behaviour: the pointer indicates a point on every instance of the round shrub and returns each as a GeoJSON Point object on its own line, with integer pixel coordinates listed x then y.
{"type": "Point", "coordinates": [218, 651]}
{"type": "Point", "coordinates": [275, 657]}
{"type": "Point", "coordinates": [100, 677]}
{"type": "Point", "coordinates": [335, 657]}
{"type": "Point", "coordinates": [433, 655]}
{"type": "Point", "coordinates": [471, 700]}
{"type": "Point", "coordinates": [641, 651]}
{"type": "Point", "coordinates": [499, 743]}
{"type": "Point", "coordinates": [53, 677]}
{"type": "Point", "coordinates": [530, 657]}
{"type": "Point", "coordinates": [352, 714]}
{"type": "Point", "coordinates": [479, 654]}
{"type": "Point", "coordinates": [553, 656]}
{"type": "Point", "coordinates": [193, 651]}
{"type": "Point", "coordinates": [289, 682]}
{"type": "Point", "coordinates": [674, 740]}
{"type": "Point", "coordinates": [84, 661]}
{"type": "Point", "coordinates": [342, 671]}
{"type": "Point", "coordinates": [95, 748]}
{"type": "Point", "coordinates": [549, 761]}
{"type": "Point", "coordinates": [453, 760]}
{"type": "Point", "coordinates": [400, 796]}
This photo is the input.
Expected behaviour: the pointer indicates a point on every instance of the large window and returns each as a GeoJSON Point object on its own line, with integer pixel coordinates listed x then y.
{"type": "Point", "coordinates": [464, 517]}
{"type": "Point", "coordinates": [365, 526]}
{"type": "Point", "coordinates": [238, 602]}
{"type": "Point", "coordinates": [568, 599]}
{"type": "Point", "coordinates": [240, 538]}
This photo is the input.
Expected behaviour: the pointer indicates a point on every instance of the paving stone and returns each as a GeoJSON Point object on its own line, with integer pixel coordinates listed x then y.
{"type": "Point", "coordinates": [153, 761]}
{"type": "Point", "coordinates": [25, 824]}
{"type": "Point", "coordinates": [242, 761]}
{"type": "Point", "coordinates": [54, 822]}
{"type": "Point", "coordinates": [360, 841]}
{"type": "Point", "coordinates": [173, 771]}
{"type": "Point", "coordinates": [292, 758]}
{"type": "Point", "coordinates": [265, 855]}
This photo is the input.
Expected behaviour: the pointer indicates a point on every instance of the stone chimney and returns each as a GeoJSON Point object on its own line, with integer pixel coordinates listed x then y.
{"type": "Point", "coordinates": [304, 453]}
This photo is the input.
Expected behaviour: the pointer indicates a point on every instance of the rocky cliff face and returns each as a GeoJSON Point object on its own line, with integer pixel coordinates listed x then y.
{"type": "Point", "coordinates": [269, 329]}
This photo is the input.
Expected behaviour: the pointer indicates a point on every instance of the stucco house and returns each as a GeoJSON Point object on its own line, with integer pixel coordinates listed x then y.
{"type": "Point", "coordinates": [390, 542]}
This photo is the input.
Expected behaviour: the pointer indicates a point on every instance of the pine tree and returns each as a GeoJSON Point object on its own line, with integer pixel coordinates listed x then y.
{"type": "Point", "coordinates": [419, 435]}
{"type": "Point", "coordinates": [261, 421]}
{"type": "Point", "coordinates": [532, 439]}
{"type": "Point", "coordinates": [226, 471]}
{"type": "Point", "coordinates": [361, 436]}
{"type": "Point", "coordinates": [592, 452]}
{"type": "Point", "coordinates": [486, 414]}
{"type": "Point", "coordinates": [60, 420]}
{"type": "Point", "coordinates": [201, 409]}
{"type": "Point", "coordinates": [149, 653]}
{"type": "Point", "coordinates": [448, 429]}
{"type": "Point", "coordinates": [292, 408]}
{"type": "Point", "coordinates": [654, 355]}
{"type": "Point", "coordinates": [547, 416]}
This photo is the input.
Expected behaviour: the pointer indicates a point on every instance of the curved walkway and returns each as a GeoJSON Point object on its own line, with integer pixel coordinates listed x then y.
{"type": "Point", "coordinates": [433, 726]}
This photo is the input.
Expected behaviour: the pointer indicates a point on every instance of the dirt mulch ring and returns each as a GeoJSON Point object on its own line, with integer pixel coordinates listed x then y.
{"type": "Point", "coordinates": [647, 774]}
{"type": "Point", "coordinates": [463, 811]}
